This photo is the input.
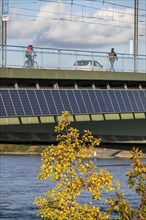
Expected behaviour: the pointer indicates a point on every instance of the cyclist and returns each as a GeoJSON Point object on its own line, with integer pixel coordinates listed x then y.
{"type": "Point", "coordinates": [30, 53]}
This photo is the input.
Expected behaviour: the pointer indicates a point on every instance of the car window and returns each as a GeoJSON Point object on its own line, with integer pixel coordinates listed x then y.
{"type": "Point", "coordinates": [87, 62]}
{"type": "Point", "coordinates": [82, 63]}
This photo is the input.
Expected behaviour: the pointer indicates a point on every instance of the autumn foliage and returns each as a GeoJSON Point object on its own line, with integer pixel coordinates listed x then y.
{"type": "Point", "coordinates": [66, 166]}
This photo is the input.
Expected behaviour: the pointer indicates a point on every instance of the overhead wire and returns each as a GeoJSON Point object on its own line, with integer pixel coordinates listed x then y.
{"type": "Point", "coordinates": [73, 2]}
{"type": "Point", "coordinates": [71, 15]}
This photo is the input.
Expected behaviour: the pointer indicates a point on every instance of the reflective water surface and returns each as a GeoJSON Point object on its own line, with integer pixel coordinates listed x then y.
{"type": "Point", "coordinates": [19, 185]}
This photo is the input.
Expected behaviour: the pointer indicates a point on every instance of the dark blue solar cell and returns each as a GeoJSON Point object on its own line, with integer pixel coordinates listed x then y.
{"type": "Point", "coordinates": [133, 101]}
{"type": "Point", "coordinates": [58, 101]}
{"type": "Point", "coordinates": [3, 112]}
{"type": "Point", "coordinates": [139, 102]}
{"type": "Point", "coordinates": [34, 102]}
{"type": "Point", "coordinates": [126, 100]}
{"type": "Point", "coordinates": [50, 102]}
{"type": "Point", "coordinates": [114, 101]}
{"type": "Point", "coordinates": [99, 97]}
{"type": "Point", "coordinates": [25, 102]}
{"type": "Point", "coordinates": [65, 100]}
{"type": "Point", "coordinates": [120, 100]}
{"type": "Point", "coordinates": [94, 101]}
{"type": "Point", "coordinates": [107, 101]}
{"type": "Point", "coordinates": [17, 102]}
{"type": "Point", "coordinates": [42, 102]}
{"type": "Point", "coordinates": [142, 94]}
{"type": "Point", "coordinates": [88, 102]}
{"type": "Point", "coordinates": [73, 101]}
{"type": "Point", "coordinates": [7, 102]}
{"type": "Point", "coordinates": [80, 101]}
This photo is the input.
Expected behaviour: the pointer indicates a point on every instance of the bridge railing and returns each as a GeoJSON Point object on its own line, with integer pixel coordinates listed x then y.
{"type": "Point", "coordinates": [54, 58]}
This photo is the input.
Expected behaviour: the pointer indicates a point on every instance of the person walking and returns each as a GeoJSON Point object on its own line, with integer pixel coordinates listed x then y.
{"type": "Point", "coordinates": [112, 57]}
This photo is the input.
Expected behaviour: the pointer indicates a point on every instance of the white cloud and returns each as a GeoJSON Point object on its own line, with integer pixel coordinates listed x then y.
{"type": "Point", "coordinates": [55, 26]}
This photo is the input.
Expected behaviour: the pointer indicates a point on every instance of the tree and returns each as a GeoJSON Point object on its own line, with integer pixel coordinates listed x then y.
{"type": "Point", "coordinates": [65, 165]}
{"type": "Point", "coordinates": [136, 181]}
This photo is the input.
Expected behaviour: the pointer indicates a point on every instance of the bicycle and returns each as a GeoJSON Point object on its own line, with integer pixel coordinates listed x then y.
{"type": "Point", "coordinates": [28, 64]}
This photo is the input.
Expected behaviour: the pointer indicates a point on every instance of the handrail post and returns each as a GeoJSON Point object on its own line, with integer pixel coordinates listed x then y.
{"type": "Point", "coordinates": [4, 27]}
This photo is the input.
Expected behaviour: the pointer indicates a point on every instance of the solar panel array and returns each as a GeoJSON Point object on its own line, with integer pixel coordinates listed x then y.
{"type": "Point", "coordinates": [41, 102]}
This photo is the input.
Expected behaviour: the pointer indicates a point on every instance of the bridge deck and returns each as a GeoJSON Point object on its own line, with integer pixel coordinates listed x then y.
{"type": "Point", "coordinates": [68, 78]}
{"type": "Point", "coordinates": [111, 128]}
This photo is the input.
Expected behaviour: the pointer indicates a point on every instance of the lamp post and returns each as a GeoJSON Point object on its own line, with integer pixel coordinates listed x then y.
{"type": "Point", "coordinates": [5, 18]}
{"type": "Point", "coordinates": [135, 35]}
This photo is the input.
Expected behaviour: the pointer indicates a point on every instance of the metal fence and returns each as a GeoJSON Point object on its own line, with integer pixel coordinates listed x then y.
{"type": "Point", "coordinates": [54, 58]}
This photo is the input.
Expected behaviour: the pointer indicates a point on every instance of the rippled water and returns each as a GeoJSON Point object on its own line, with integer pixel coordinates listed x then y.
{"type": "Point", "coordinates": [19, 185]}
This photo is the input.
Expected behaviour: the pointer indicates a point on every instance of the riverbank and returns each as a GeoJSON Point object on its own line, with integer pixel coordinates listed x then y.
{"type": "Point", "coordinates": [14, 149]}
{"type": "Point", "coordinates": [100, 152]}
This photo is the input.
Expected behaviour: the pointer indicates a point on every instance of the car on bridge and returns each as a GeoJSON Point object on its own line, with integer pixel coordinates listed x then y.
{"type": "Point", "coordinates": [88, 65]}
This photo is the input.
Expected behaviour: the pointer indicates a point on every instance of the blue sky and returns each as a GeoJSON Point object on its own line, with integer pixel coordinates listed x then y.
{"type": "Point", "coordinates": [77, 24]}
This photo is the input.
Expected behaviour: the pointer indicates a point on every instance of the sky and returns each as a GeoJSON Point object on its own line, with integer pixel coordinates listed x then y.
{"type": "Point", "coordinates": [76, 24]}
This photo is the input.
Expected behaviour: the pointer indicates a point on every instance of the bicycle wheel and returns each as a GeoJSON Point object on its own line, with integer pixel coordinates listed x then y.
{"type": "Point", "coordinates": [26, 64]}
{"type": "Point", "coordinates": [35, 65]}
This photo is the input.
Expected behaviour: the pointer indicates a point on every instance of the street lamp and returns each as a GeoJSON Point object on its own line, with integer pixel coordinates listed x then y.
{"type": "Point", "coordinates": [135, 34]}
{"type": "Point", "coordinates": [5, 18]}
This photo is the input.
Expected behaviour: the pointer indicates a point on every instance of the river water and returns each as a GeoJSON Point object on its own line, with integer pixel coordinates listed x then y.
{"type": "Point", "coordinates": [19, 185]}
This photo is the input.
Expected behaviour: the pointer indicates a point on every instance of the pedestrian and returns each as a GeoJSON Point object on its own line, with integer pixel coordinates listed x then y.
{"type": "Point", "coordinates": [112, 57]}
{"type": "Point", "coordinates": [30, 53]}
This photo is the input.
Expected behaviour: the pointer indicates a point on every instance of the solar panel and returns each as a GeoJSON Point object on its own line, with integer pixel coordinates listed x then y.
{"type": "Point", "coordinates": [101, 101]}
{"type": "Point", "coordinates": [34, 102]}
{"type": "Point", "coordinates": [65, 101]}
{"type": "Point", "coordinates": [140, 99]}
{"type": "Point", "coordinates": [133, 101]}
{"type": "Point", "coordinates": [95, 101]}
{"type": "Point", "coordinates": [2, 107]}
{"type": "Point", "coordinates": [114, 100]}
{"type": "Point", "coordinates": [107, 101]}
{"type": "Point", "coordinates": [143, 97]}
{"type": "Point", "coordinates": [50, 102]}
{"type": "Point", "coordinates": [37, 102]}
{"type": "Point", "coordinates": [121, 102]}
{"type": "Point", "coordinates": [26, 103]}
{"type": "Point", "coordinates": [88, 102]}
{"type": "Point", "coordinates": [15, 97]}
{"type": "Point", "coordinates": [126, 100]}
{"type": "Point", "coordinates": [42, 102]}
{"type": "Point", "coordinates": [73, 102]}
{"type": "Point", "coordinates": [7, 102]}
{"type": "Point", "coordinates": [80, 101]}
{"type": "Point", "coordinates": [57, 100]}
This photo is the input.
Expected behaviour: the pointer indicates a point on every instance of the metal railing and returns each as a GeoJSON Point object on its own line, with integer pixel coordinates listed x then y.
{"type": "Point", "coordinates": [54, 58]}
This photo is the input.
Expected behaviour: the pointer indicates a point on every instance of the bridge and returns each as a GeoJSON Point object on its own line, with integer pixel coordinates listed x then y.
{"type": "Point", "coordinates": [110, 104]}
